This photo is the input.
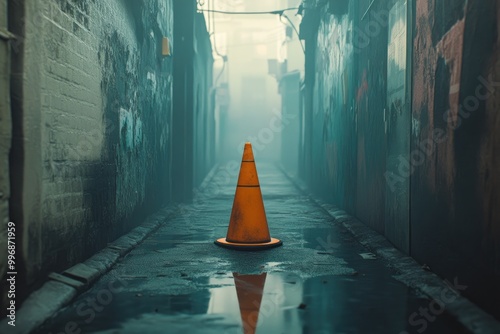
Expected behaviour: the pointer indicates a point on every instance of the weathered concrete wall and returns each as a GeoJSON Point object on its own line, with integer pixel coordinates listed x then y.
{"type": "Point", "coordinates": [403, 120]}
{"type": "Point", "coordinates": [348, 146]}
{"type": "Point", "coordinates": [333, 114]}
{"type": "Point", "coordinates": [92, 125]}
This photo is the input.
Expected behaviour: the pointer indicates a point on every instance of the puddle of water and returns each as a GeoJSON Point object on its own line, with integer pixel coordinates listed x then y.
{"type": "Point", "coordinates": [263, 303]}
{"type": "Point", "coordinates": [285, 303]}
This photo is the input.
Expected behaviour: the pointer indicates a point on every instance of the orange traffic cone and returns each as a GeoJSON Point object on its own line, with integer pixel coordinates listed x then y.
{"type": "Point", "coordinates": [248, 228]}
{"type": "Point", "coordinates": [249, 289]}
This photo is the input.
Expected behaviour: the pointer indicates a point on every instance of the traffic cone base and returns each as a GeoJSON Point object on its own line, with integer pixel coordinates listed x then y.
{"type": "Point", "coordinates": [246, 246]}
{"type": "Point", "coordinates": [248, 229]}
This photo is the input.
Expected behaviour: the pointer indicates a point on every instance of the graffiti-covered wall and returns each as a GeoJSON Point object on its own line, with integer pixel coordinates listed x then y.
{"type": "Point", "coordinates": [91, 125]}
{"type": "Point", "coordinates": [401, 108]}
{"type": "Point", "coordinates": [92, 118]}
{"type": "Point", "coordinates": [456, 188]}
{"type": "Point", "coordinates": [348, 110]}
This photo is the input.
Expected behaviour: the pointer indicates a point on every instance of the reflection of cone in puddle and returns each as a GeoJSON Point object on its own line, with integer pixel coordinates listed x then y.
{"type": "Point", "coordinates": [249, 289]}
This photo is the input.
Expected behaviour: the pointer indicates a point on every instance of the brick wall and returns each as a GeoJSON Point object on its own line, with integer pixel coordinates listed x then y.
{"type": "Point", "coordinates": [92, 125]}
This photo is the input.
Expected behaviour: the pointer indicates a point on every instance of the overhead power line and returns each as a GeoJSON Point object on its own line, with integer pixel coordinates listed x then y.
{"type": "Point", "coordinates": [274, 12]}
{"type": "Point", "coordinates": [280, 12]}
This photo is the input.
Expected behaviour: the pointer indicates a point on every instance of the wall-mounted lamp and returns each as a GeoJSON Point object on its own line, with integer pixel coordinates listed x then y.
{"type": "Point", "coordinates": [165, 47]}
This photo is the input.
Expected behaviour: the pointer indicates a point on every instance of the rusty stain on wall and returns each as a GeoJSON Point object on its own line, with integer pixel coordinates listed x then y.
{"type": "Point", "coordinates": [451, 49]}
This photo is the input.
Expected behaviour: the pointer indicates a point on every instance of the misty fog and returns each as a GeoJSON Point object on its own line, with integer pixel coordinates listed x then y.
{"type": "Point", "coordinates": [254, 54]}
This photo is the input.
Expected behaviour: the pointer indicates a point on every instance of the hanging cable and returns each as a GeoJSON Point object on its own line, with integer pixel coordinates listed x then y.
{"type": "Point", "coordinates": [295, 29]}
{"type": "Point", "coordinates": [280, 12]}
{"type": "Point", "coordinates": [275, 12]}
{"type": "Point", "coordinates": [215, 38]}
{"type": "Point", "coordinates": [221, 72]}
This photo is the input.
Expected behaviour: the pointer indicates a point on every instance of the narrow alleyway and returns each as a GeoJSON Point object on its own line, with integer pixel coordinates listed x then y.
{"type": "Point", "coordinates": [320, 281]}
{"type": "Point", "coordinates": [375, 131]}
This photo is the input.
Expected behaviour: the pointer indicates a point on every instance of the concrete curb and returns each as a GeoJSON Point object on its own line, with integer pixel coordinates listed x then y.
{"type": "Point", "coordinates": [61, 289]}
{"type": "Point", "coordinates": [410, 272]}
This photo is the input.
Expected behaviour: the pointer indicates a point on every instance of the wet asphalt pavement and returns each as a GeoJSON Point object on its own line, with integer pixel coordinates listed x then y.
{"type": "Point", "coordinates": [320, 281]}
